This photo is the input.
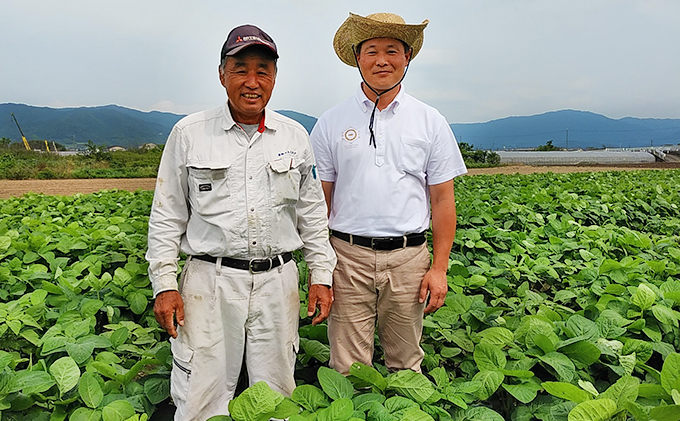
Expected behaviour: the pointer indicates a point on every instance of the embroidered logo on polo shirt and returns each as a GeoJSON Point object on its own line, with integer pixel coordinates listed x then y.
{"type": "Point", "coordinates": [349, 138]}
{"type": "Point", "coordinates": [350, 134]}
{"type": "Point", "coordinates": [205, 187]}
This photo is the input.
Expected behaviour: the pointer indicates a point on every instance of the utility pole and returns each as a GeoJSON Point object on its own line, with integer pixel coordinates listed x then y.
{"type": "Point", "coordinates": [567, 139]}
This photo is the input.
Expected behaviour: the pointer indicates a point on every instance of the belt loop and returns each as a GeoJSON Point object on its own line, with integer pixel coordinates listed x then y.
{"type": "Point", "coordinates": [218, 264]}
{"type": "Point", "coordinates": [351, 240]}
{"type": "Point", "coordinates": [405, 241]}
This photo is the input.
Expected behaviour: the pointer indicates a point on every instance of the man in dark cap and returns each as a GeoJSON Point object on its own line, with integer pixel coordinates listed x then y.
{"type": "Point", "coordinates": [237, 192]}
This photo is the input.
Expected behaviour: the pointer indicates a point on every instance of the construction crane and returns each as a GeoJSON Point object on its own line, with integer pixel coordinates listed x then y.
{"type": "Point", "coordinates": [26, 145]}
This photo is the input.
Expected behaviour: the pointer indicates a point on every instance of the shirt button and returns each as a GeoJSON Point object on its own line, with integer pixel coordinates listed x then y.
{"type": "Point", "coordinates": [250, 177]}
{"type": "Point", "coordinates": [252, 209]}
{"type": "Point", "coordinates": [254, 242]}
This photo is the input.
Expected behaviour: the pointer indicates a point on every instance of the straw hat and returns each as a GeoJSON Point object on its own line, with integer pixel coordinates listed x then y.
{"type": "Point", "coordinates": [357, 29]}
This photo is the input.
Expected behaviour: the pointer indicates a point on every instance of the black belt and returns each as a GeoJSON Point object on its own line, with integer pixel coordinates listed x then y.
{"type": "Point", "coordinates": [382, 243]}
{"type": "Point", "coordinates": [252, 265]}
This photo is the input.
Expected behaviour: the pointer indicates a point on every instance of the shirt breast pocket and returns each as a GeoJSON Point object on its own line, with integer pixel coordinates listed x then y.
{"type": "Point", "coordinates": [284, 180]}
{"type": "Point", "coordinates": [413, 155]}
{"type": "Point", "coordinates": [209, 189]}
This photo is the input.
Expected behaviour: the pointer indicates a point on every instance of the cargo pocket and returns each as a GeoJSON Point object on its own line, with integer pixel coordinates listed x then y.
{"type": "Point", "coordinates": [180, 375]}
{"type": "Point", "coordinates": [413, 155]}
{"type": "Point", "coordinates": [284, 180]}
{"type": "Point", "coordinates": [209, 189]}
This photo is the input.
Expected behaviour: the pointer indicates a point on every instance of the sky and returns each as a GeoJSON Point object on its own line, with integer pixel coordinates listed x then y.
{"type": "Point", "coordinates": [482, 59]}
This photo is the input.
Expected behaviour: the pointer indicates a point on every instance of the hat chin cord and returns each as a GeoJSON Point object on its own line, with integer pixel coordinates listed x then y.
{"type": "Point", "coordinates": [371, 141]}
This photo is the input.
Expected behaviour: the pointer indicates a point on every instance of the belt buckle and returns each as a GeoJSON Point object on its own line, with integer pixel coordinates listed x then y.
{"type": "Point", "coordinates": [252, 270]}
{"type": "Point", "coordinates": [373, 246]}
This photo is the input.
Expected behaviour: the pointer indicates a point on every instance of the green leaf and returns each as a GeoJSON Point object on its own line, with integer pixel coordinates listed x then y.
{"type": "Point", "coordinates": [416, 414]}
{"type": "Point", "coordinates": [498, 336]}
{"type": "Point", "coordinates": [398, 403]}
{"type": "Point", "coordinates": [584, 352]}
{"type": "Point", "coordinates": [119, 410]}
{"type": "Point", "coordinates": [285, 409]}
{"type": "Point", "coordinates": [368, 374]}
{"type": "Point", "coordinates": [595, 410]}
{"type": "Point", "coordinates": [80, 352]}
{"type": "Point", "coordinates": [566, 391]}
{"type": "Point", "coordinates": [66, 373]}
{"type": "Point", "coordinates": [644, 297]}
{"type": "Point", "coordinates": [524, 392]}
{"type": "Point", "coordinates": [561, 364]}
{"type": "Point", "coordinates": [119, 336]}
{"type": "Point", "coordinates": [482, 413]}
{"type": "Point", "coordinates": [665, 315]}
{"type": "Point", "coordinates": [339, 410]}
{"type": "Point", "coordinates": [89, 390]}
{"type": "Point", "coordinates": [364, 401]}
{"type": "Point", "coordinates": [624, 390]}
{"type": "Point", "coordinates": [310, 397]}
{"type": "Point", "coordinates": [315, 349]}
{"type": "Point", "coordinates": [32, 382]}
{"type": "Point", "coordinates": [489, 357]}
{"type": "Point", "coordinates": [670, 373]}
{"type": "Point", "coordinates": [580, 326]}
{"type": "Point", "coordinates": [137, 301]}
{"type": "Point", "coordinates": [85, 414]}
{"type": "Point", "coordinates": [665, 413]}
{"type": "Point", "coordinates": [411, 384]}
{"type": "Point", "coordinates": [334, 384]}
{"type": "Point", "coordinates": [255, 403]}
{"type": "Point", "coordinates": [490, 380]}
{"type": "Point", "coordinates": [157, 389]}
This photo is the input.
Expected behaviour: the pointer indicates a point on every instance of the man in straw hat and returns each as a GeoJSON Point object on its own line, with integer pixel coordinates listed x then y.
{"type": "Point", "coordinates": [384, 159]}
{"type": "Point", "coordinates": [237, 192]}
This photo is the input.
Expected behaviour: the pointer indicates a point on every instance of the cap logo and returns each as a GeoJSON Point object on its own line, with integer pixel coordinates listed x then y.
{"type": "Point", "coordinates": [238, 39]}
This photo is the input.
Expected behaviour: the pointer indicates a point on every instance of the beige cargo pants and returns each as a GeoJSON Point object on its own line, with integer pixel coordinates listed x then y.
{"type": "Point", "coordinates": [230, 313]}
{"type": "Point", "coordinates": [377, 286]}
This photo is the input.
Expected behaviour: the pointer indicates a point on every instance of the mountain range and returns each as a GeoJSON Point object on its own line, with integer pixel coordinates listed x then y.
{"type": "Point", "coordinates": [115, 125]}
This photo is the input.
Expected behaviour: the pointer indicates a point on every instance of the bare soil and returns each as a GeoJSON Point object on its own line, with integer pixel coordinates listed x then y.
{"type": "Point", "coordinates": [13, 188]}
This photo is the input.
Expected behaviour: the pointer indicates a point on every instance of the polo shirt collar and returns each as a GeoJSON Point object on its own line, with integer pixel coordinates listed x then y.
{"type": "Point", "coordinates": [366, 104]}
{"type": "Point", "coordinates": [228, 122]}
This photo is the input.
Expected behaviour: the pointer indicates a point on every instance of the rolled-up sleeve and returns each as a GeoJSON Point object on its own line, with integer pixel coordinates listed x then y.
{"type": "Point", "coordinates": [313, 224]}
{"type": "Point", "coordinates": [169, 215]}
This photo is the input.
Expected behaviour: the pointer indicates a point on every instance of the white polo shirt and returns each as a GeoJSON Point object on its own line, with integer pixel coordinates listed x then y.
{"type": "Point", "coordinates": [383, 191]}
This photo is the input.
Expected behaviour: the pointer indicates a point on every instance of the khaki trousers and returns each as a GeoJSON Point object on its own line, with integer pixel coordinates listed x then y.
{"type": "Point", "coordinates": [377, 286]}
{"type": "Point", "coordinates": [230, 313]}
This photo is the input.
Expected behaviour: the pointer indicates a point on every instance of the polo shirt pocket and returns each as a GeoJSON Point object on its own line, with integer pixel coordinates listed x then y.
{"type": "Point", "coordinates": [284, 180]}
{"type": "Point", "coordinates": [209, 189]}
{"type": "Point", "coordinates": [413, 155]}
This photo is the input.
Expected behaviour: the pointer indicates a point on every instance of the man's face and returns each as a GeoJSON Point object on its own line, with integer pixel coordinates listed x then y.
{"type": "Point", "coordinates": [382, 62]}
{"type": "Point", "coordinates": [249, 81]}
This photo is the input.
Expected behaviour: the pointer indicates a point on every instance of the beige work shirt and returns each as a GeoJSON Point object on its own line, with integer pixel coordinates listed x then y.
{"type": "Point", "coordinates": [221, 193]}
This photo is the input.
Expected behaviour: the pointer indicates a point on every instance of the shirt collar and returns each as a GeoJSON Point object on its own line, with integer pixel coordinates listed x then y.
{"type": "Point", "coordinates": [367, 105]}
{"type": "Point", "coordinates": [228, 122]}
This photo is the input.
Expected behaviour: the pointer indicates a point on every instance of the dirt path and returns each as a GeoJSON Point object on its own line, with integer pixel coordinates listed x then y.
{"type": "Point", "coordinates": [12, 188]}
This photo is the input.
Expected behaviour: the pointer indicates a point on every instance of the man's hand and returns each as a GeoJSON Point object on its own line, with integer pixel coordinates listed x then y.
{"type": "Point", "coordinates": [167, 308]}
{"type": "Point", "coordinates": [436, 283]}
{"type": "Point", "coordinates": [321, 297]}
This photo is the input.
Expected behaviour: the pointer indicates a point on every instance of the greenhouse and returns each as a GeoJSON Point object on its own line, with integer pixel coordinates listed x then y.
{"type": "Point", "coordinates": [575, 157]}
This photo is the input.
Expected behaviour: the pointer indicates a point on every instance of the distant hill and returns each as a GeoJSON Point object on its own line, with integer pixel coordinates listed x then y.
{"type": "Point", "coordinates": [583, 130]}
{"type": "Point", "coordinates": [114, 125]}
{"type": "Point", "coordinates": [106, 125]}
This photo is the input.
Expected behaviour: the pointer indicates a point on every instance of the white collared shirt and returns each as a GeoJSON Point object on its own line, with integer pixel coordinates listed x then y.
{"type": "Point", "coordinates": [383, 191]}
{"type": "Point", "coordinates": [222, 194]}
